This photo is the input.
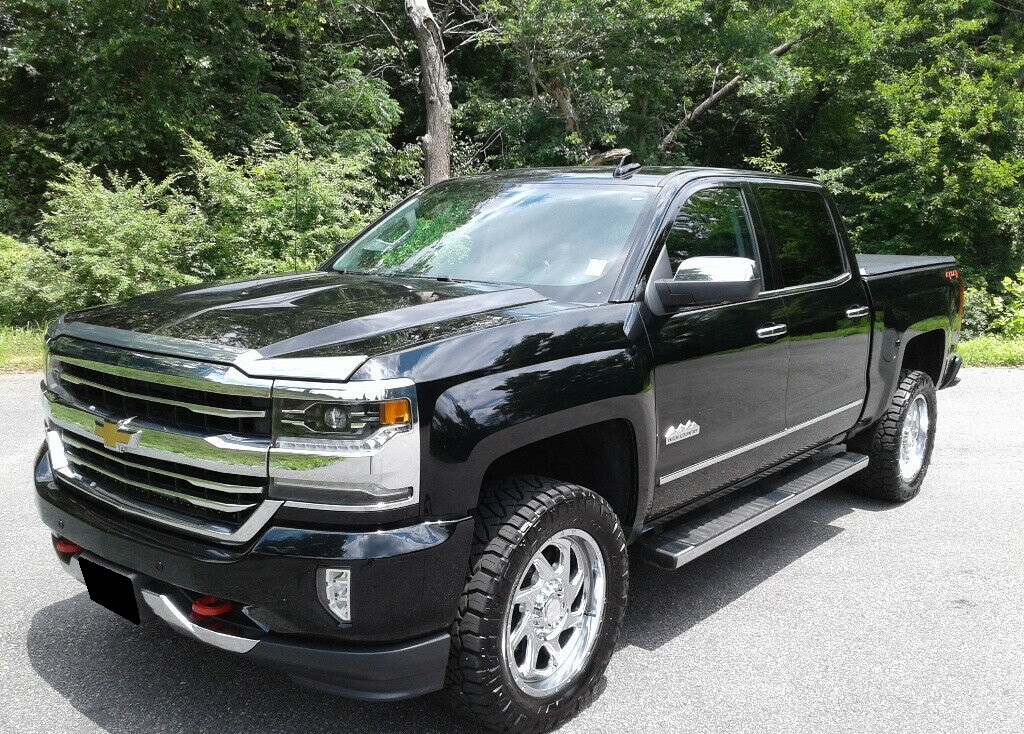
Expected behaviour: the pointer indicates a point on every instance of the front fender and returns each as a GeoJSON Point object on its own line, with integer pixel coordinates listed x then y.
{"type": "Point", "coordinates": [476, 422]}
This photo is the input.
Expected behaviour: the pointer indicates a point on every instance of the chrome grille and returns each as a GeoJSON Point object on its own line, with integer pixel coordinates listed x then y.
{"type": "Point", "coordinates": [167, 404]}
{"type": "Point", "coordinates": [191, 440]}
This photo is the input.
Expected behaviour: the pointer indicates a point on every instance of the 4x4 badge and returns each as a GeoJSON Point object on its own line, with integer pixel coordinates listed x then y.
{"type": "Point", "coordinates": [683, 430]}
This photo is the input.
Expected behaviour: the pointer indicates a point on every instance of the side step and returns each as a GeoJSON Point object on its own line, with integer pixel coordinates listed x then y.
{"type": "Point", "coordinates": [724, 519]}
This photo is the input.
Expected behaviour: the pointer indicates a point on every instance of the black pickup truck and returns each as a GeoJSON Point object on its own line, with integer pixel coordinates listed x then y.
{"type": "Point", "coordinates": [420, 466]}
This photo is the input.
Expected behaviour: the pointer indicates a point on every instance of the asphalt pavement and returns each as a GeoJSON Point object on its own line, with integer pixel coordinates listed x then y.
{"type": "Point", "coordinates": [840, 615]}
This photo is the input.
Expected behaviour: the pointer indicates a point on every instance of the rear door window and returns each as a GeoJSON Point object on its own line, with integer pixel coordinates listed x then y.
{"type": "Point", "coordinates": [804, 241]}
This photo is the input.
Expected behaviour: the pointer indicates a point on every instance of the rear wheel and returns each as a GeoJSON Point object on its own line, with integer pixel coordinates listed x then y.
{"type": "Point", "coordinates": [543, 605]}
{"type": "Point", "coordinates": [900, 444]}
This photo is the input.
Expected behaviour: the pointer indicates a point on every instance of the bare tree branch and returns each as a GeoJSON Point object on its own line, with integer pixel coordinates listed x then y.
{"type": "Point", "coordinates": [723, 92]}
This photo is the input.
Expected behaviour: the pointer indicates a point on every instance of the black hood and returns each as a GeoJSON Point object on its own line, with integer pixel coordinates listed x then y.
{"type": "Point", "coordinates": [294, 314]}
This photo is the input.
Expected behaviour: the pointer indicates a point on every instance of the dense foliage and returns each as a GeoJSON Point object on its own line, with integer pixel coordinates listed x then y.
{"type": "Point", "coordinates": [158, 142]}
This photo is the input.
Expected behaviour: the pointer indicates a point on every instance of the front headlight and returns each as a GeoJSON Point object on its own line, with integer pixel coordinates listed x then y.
{"type": "Point", "coordinates": [351, 445]}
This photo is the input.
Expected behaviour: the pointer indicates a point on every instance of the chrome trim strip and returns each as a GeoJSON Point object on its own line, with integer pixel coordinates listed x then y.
{"type": "Point", "coordinates": [165, 608]}
{"type": "Point", "coordinates": [224, 453]}
{"type": "Point", "coordinates": [195, 408]}
{"type": "Point", "coordinates": [205, 483]}
{"type": "Point", "coordinates": [163, 370]}
{"type": "Point", "coordinates": [838, 280]}
{"type": "Point", "coordinates": [74, 461]}
{"type": "Point", "coordinates": [679, 473]}
{"type": "Point", "coordinates": [356, 392]}
{"type": "Point", "coordinates": [312, 368]}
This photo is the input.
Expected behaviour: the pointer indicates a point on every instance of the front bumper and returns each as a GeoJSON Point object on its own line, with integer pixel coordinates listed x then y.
{"type": "Point", "coordinates": [405, 581]}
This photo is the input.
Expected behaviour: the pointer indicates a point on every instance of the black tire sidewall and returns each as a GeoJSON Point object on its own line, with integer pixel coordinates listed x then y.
{"type": "Point", "coordinates": [922, 386]}
{"type": "Point", "coordinates": [565, 516]}
{"type": "Point", "coordinates": [533, 509]}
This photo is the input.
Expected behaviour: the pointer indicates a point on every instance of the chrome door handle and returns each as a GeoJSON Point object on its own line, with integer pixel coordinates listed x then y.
{"type": "Point", "coordinates": [772, 332]}
{"type": "Point", "coordinates": [857, 312]}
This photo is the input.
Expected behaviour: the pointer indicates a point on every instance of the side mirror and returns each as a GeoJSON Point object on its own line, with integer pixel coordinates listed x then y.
{"type": "Point", "coordinates": [707, 281]}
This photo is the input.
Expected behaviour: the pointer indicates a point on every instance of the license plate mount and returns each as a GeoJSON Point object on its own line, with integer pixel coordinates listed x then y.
{"type": "Point", "coordinates": [111, 588]}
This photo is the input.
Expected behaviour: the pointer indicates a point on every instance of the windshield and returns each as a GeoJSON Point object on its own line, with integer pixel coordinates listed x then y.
{"type": "Point", "coordinates": [568, 240]}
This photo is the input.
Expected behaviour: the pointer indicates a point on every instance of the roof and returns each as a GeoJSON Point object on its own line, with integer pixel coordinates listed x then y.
{"type": "Point", "coordinates": [645, 176]}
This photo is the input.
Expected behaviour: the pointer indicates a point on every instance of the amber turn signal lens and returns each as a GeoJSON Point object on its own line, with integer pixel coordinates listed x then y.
{"type": "Point", "coordinates": [395, 412]}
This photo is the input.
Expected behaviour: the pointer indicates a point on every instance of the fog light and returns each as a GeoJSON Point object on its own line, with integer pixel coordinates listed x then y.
{"type": "Point", "coordinates": [336, 592]}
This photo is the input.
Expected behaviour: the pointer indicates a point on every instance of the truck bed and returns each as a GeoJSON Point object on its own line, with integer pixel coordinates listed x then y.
{"type": "Point", "coordinates": [873, 266]}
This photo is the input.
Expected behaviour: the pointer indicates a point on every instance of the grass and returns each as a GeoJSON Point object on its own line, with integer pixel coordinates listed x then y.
{"type": "Point", "coordinates": [992, 351]}
{"type": "Point", "coordinates": [21, 349]}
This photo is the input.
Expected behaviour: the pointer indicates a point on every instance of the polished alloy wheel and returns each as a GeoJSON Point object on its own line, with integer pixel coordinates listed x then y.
{"type": "Point", "coordinates": [914, 438]}
{"type": "Point", "coordinates": [555, 613]}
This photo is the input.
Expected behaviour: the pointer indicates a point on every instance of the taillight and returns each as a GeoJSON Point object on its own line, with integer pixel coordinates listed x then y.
{"type": "Point", "coordinates": [955, 275]}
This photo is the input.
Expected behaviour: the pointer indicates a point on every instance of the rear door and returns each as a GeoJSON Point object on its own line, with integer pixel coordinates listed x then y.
{"type": "Point", "coordinates": [720, 387]}
{"type": "Point", "coordinates": [826, 314]}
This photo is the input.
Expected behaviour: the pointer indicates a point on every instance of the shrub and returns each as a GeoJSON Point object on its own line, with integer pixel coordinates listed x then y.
{"type": "Point", "coordinates": [981, 308]}
{"type": "Point", "coordinates": [277, 210]}
{"type": "Point", "coordinates": [98, 243]}
{"type": "Point", "coordinates": [1010, 321]}
{"type": "Point", "coordinates": [106, 240]}
{"type": "Point", "coordinates": [998, 314]}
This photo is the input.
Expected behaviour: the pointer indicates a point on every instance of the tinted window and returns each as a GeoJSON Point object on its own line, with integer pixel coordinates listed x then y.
{"type": "Point", "coordinates": [805, 243]}
{"type": "Point", "coordinates": [711, 222]}
{"type": "Point", "coordinates": [569, 239]}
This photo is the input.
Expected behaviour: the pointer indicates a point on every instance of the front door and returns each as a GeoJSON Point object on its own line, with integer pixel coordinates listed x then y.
{"type": "Point", "coordinates": [720, 372]}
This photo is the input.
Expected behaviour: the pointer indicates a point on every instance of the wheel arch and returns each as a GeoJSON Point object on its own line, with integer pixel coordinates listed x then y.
{"type": "Point", "coordinates": [595, 410]}
{"type": "Point", "coordinates": [926, 352]}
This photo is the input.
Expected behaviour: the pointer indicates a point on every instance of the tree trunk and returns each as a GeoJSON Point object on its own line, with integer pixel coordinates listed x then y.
{"type": "Point", "coordinates": [436, 88]}
{"type": "Point", "coordinates": [726, 91]}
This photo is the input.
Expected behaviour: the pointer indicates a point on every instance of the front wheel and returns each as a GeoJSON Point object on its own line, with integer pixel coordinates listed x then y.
{"type": "Point", "coordinates": [899, 445]}
{"type": "Point", "coordinates": [543, 605]}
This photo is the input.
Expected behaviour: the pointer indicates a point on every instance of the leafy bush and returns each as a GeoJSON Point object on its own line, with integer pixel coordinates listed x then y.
{"type": "Point", "coordinates": [999, 314]}
{"type": "Point", "coordinates": [105, 240]}
{"type": "Point", "coordinates": [277, 210]}
{"type": "Point", "coordinates": [99, 243]}
{"type": "Point", "coordinates": [981, 308]}
{"type": "Point", "coordinates": [1010, 322]}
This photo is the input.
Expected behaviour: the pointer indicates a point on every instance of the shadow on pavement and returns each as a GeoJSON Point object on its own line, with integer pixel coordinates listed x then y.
{"type": "Point", "coordinates": [129, 679]}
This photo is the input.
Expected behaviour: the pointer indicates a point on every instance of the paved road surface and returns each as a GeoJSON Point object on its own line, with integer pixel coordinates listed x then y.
{"type": "Point", "coordinates": [841, 615]}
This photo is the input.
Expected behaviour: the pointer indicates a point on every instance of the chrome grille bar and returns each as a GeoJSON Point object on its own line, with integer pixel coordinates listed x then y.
{"type": "Point", "coordinates": [217, 505]}
{"type": "Point", "coordinates": [204, 483]}
{"type": "Point", "coordinates": [201, 409]}
{"type": "Point", "coordinates": [159, 369]}
{"type": "Point", "coordinates": [224, 453]}
{"type": "Point", "coordinates": [195, 526]}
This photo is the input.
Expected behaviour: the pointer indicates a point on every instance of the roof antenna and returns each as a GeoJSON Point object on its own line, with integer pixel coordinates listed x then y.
{"type": "Point", "coordinates": [622, 169]}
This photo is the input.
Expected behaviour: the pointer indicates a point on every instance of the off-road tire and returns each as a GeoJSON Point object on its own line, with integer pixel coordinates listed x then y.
{"type": "Point", "coordinates": [881, 442]}
{"type": "Point", "coordinates": [515, 517]}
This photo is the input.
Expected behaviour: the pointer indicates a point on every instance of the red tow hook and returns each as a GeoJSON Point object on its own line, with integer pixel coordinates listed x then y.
{"type": "Point", "coordinates": [211, 606]}
{"type": "Point", "coordinates": [67, 547]}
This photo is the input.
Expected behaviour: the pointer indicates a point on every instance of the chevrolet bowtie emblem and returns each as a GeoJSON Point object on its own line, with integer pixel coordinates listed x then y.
{"type": "Point", "coordinates": [112, 434]}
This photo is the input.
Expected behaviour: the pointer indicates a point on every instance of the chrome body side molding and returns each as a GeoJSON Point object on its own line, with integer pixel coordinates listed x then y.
{"type": "Point", "coordinates": [680, 473]}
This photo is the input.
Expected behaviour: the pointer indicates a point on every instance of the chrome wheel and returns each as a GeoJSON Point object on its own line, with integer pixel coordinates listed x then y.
{"type": "Point", "coordinates": [914, 438]}
{"type": "Point", "coordinates": [555, 613]}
